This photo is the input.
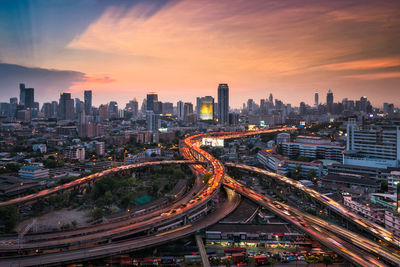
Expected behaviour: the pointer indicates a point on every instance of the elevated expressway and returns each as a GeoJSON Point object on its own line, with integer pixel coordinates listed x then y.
{"type": "Point", "coordinates": [360, 222]}
{"type": "Point", "coordinates": [177, 222]}
{"type": "Point", "coordinates": [356, 249]}
{"type": "Point", "coordinates": [87, 180]}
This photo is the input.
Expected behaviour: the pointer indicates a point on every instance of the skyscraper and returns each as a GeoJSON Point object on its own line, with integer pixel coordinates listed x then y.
{"type": "Point", "coordinates": [205, 108]}
{"type": "Point", "coordinates": [151, 98]}
{"type": "Point", "coordinates": [329, 101]}
{"type": "Point", "coordinates": [66, 107]}
{"type": "Point", "coordinates": [223, 103]}
{"type": "Point", "coordinates": [29, 97]}
{"type": "Point", "coordinates": [316, 99]}
{"type": "Point", "coordinates": [153, 121]}
{"type": "Point", "coordinates": [21, 93]}
{"type": "Point", "coordinates": [180, 110]}
{"type": "Point", "coordinates": [187, 110]}
{"type": "Point", "coordinates": [271, 98]}
{"type": "Point", "coordinates": [88, 102]}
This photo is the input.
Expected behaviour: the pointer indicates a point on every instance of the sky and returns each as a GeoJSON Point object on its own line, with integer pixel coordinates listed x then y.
{"type": "Point", "coordinates": [182, 49]}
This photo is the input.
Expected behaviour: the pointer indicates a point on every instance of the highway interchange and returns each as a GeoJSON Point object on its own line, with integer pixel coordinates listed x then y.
{"type": "Point", "coordinates": [187, 216]}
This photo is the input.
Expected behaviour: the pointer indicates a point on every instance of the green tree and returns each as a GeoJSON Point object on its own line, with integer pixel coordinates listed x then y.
{"type": "Point", "coordinates": [272, 261]}
{"type": "Point", "coordinates": [311, 260]}
{"type": "Point", "coordinates": [96, 214]}
{"type": "Point", "coordinates": [327, 260]}
{"type": "Point", "coordinates": [8, 217]}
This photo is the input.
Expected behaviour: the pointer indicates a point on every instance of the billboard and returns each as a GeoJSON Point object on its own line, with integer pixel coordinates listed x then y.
{"type": "Point", "coordinates": [214, 142]}
{"type": "Point", "coordinates": [206, 111]}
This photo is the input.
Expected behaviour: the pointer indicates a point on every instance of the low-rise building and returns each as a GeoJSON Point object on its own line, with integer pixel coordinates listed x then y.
{"type": "Point", "coordinates": [33, 172]}
{"type": "Point", "coordinates": [75, 153]}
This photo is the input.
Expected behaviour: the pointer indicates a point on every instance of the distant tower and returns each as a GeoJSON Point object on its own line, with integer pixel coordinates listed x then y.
{"type": "Point", "coordinates": [151, 99]}
{"type": "Point", "coordinates": [180, 110]}
{"type": "Point", "coordinates": [329, 101]}
{"type": "Point", "coordinates": [223, 103]}
{"type": "Point", "coordinates": [271, 98]}
{"type": "Point", "coordinates": [66, 107]}
{"type": "Point", "coordinates": [21, 93]}
{"type": "Point", "coordinates": [88, 101]}
{"type": "Point", "coordinates": [316, 99]}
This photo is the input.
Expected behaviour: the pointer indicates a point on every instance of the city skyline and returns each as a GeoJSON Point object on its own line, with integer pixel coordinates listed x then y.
{"type": "Point", "coordinates": [183, 47]}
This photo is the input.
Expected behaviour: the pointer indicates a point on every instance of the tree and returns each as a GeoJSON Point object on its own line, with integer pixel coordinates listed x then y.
{"type": "Point", "coordinates": [384, 186]}
{"type": "Point", "coordinates": [97, 214]}
{"type": "Point", "coordinates": [311, 260]}
{"type": "Point", "coordinates": [311, 174]}
{"type": "Point", "coordinates": [272, 261]}
{"type": "Point", "coordinates": [8, 217]}
{"type": "Point", "coordinates": [327, 260]}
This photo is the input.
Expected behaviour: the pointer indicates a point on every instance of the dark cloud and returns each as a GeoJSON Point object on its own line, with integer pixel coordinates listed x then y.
{"type": "Point", "coordinates": [47, 82]}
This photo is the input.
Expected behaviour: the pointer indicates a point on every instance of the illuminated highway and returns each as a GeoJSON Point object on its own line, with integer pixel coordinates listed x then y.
{"type": "Point", "coordinates": [295, 217]}
{"type": "Point", "coordinates": [370, 227]}
{"type": "Point", "coordinates": [174, 222]}
{"type": "Point", "coordinates": [88, 179]}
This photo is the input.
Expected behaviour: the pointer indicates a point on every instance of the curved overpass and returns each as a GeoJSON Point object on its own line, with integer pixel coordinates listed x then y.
{"type": "Point", "coordinates": [362, 223]}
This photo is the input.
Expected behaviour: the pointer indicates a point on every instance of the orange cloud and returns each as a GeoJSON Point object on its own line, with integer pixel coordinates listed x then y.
{"type": "Point", "coordinates": [375, 76]}
{"type": "Point", "coordinates": [366, 64]}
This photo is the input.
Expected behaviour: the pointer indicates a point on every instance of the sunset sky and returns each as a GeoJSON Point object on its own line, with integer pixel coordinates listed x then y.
{"type": "Point", "coordinates": [183, 49]}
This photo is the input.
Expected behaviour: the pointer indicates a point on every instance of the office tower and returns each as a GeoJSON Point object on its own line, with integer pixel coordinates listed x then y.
{"type": "Point", "coordinates": [66, 107]}
{"type": "Point", "coordinates": [157, 107]}
{"type": "Point", "coordinates": [205, 108]}
{"type": "Point", "coordinates": [363, 104]}
{"type": "Point", "coordinates": [303, 108]}
{"type": "Point", "coordinates": [113, 110]}
{"type": "Point", "coordinates": [54, 109]}
{"type": "Point", "coordinates": [250, 105]}
{"type": "Point", "coordinates": [46, 110]}
{"type": "Point", "coordinates": [103, 112]}
{"type": "Point", "coordinates": [22, 94]}
{"type": "Point", "coordinates": [233, 118]}
{"type": "Point", "coordinates": [329, 101]}
{"type": "Point", "coordinates": [223, 103]}
{"type": "Point", "coordinates": [180, 110]}
{"type": "Point", "coordinates": [13, 100]}
{"type": "Point", "coordinates": [372, 146]}
{"type": "Point", "coordinates": [316, 99]}
{"type": "Point", "coordinates": [153, 121]}
{"type": "Point", "coordinates": [167, 108]}
{"type": "Point", "coordinates": [187, 110]}
{"type": "Point", "coordinates": [29, 98]}
{"type": "Point", "coordinates": [88, 101]}
{"type": "Point", "coordinates": [79, 106]}
{"type": "Point", "coordinates": [132, 107]}
{"type": "Point", "coordinates": [271, 98]}
{"type": "Point", "coordinates": [152, 97]}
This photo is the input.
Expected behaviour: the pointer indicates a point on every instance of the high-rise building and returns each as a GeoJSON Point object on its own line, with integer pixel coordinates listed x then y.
{"type": "Point", "coordinates": [54, 109]}
{"type": "Point", "coordinates": [223, 103]}
{"type": "Point", "coordinates": [29, 97]}
{"type": "Point", "coordinates": [271, 98]}
{"type": "Point", "coordinates": [151, 98]}
{"type": "Point", "coordinates": [132, 107]}
{"type": "Point", "coordinates": [13, 100]}
{"type": "Point", "coordinates": [46, 110]}
{"type": "Point", "coordinates": [250, 105]}
{"type": "Point", "coordinates": [316, 99]}
{"type": "Point", "coordinates": [153, 121]}
{"type": "Point", "coordinates": [103, 112]}
{"type": "Point", "coordinates": [329, 101]}
{"type": "Point", "coordinates": [113, 110]}
{"type": "Point", "coordinates": [66, 107]}
{"type": "Point", "coordinates": [187, 110]}
{"type": "Point", "coordinates": [88, 102]}
{"type": "Point", "coordinates": [205, 108]}
{"type": "Point", "coordinates": [167, 108]}
{"type": "Point", "coordinates": [372, 146]}
{"type": "Point", "coordinates": [22, 94]}
{"type": "Point", "coordinates": [180, 110]}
